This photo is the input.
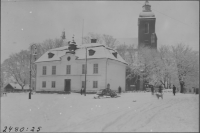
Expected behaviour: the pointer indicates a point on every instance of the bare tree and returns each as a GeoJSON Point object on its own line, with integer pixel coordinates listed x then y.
{"type": "Point", "coordinates": [187, 62]}
{"type": "Point", "coordinates": [48, 44]}
{"type": "Point", "coordinates": [17, 66]}
{"type": "Point", "coordinates": [87, 39]}
{"type": "Point", "coordinates": [177, 65]}
{"type": "Point", "coordinates": [130, 55]}
{"type": "Point", "coordinates": [159, 65]}
{"type": "Point", "coordinates": [108, 40]}
{"type": "Point", "coordinates": [3, 77]}
{"type": "Point", "coordinates": [156, 66]}
{"type": "Point", "coordinates": [122, 50]}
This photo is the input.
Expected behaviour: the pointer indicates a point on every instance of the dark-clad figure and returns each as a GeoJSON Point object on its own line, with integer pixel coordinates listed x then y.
{"type": "Point", "coordinates": [108, 90]}
{"type": "Point", "coordinates": [119, 89]}
{"type": "Point", "coordinates": [81, 91]}
{"type": "Point", "coordinates": [152, 89]}
{"type": "Point", "coordinates": [4, 93]}
{"type": "Point", "coordinates": [174, 90]}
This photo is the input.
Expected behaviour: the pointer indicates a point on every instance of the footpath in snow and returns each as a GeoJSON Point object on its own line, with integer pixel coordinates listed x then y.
{"type": "Point", "coordinates": [132, 112]}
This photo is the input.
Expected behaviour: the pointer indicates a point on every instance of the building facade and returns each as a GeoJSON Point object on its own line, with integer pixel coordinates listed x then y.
{"type": "Point", "coordinates": [63, 69]}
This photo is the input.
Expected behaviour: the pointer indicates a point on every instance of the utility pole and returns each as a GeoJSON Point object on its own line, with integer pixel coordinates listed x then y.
{"type": "Point", "coordinates": [35, 53]}
{"type": "Point", "coordinates": [85, 59]}
{"type": "Point", "coordinates": [85, 69]}
{"type": "Point", "coordinates": [82, 31]}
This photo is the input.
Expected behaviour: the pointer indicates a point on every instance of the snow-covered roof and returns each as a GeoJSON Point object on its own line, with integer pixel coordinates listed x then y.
{"type": "Point", "coordinates": [16, 86]}
{"type": "Point", "coordinates": [147, 14]}
{"type": "Point", "coordinates": [60, 48]}
{"type": "Point", "coordinates": [101, 51]}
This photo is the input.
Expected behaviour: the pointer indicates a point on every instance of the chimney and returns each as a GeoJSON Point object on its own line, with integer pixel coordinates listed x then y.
{"type": "Point", "coordinates": [93, 40]}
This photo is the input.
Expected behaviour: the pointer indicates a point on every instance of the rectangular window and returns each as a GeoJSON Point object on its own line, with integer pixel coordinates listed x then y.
{"type": "Point", "coordinates": [53, 70]}
{"type": "Point", "coordinates": [43, 84]}
{"type": "Point", "coordinates": [95, 68]}
{"type": "Point", "coordinates": [95, 84]}
{"type": "Point", "coordinates": [83, 84]}
{"type": "Point", "coordinates": [68, 69]}
{"type": "Point", "coordinates": [146, 28]}
{"type": "Point", "coordinates": [53, 84]}
{"type": "Point", "coordinates": [83, 69]}
{"type": "Point", "coordinates": [44, 70]}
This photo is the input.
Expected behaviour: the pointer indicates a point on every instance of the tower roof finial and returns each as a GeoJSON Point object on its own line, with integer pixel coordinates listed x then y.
{"type": "Point", "coordinates": [146, 2]}
{"type": "Point", "coordinates": [73, 38]}
{"type": "Point", "coordinates": [147, 10]}
{"type": "Point", "coordinates": [63, 35]}
{"type": "Point", "coordinates": [147, 6]}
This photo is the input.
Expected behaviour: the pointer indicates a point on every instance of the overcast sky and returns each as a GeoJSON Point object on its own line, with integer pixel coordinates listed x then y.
{"type": "Point", "coordinates": [23, 23]}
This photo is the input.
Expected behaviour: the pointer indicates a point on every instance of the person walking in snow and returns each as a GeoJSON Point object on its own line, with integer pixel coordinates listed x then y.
{"type": "Point", "coordinates": [119, 89]}
{"type": "Point", "coordinates": [81, 91]}
{"type": "Point", "coordinates": [174, 90]}
{"type": "Point", "coordinates": [160, 89]}
{"type": "Point", "coordinates": [152, 89]}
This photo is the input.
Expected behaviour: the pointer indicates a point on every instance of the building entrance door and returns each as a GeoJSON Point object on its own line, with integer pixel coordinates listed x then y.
{"type": "Point", "coordinates": [67, 85]}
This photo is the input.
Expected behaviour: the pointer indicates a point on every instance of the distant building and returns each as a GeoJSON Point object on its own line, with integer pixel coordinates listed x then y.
{"type": "Point", "coordinates": [11, 87]}
{"type": "Point", "coordinates": [146, 38]}
{"type": "Point", "coordinates": [146, 27]}
{"type": "Point", "coordinates": [146, 30]}
{"type": "Point", "coordinates": [63, 69]}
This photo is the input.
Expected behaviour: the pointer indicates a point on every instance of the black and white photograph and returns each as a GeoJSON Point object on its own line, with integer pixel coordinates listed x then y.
{"type": "Point", "coordinates": [99, 66]}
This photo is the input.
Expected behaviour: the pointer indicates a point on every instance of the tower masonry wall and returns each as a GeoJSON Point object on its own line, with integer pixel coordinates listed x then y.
{"type": "Point", "coordinates": [145, 38]}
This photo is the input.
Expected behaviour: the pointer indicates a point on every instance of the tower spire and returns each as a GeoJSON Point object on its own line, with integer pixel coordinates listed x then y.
{"type": "Point", "coordinates": [63, 35]}
{"type": "Point", "coordinates": [73, 38]}
{"type": "Point", "coordinates": [146, 6]}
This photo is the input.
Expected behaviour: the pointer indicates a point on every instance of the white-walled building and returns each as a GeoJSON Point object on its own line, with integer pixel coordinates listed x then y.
{"type": "Point", "coordinates": [63, 69]}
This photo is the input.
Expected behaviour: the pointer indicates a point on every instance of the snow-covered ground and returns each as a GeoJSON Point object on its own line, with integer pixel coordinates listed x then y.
{"type": "Point", "coordinates": [132, 112]}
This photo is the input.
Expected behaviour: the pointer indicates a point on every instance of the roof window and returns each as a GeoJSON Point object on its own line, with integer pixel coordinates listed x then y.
{"type": "Point", "coordinates": [91, 52]}
{"type": "Point", "coordinates": [115, 54]}
{"type": "Point", "coordinates": [50, 55]}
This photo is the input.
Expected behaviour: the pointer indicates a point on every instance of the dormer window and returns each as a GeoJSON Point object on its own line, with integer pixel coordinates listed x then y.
{"type": "Point", "coordinates": [50, 55]}
{"type": "Point", "coordinates": [91, 52]}
{"type": "Point", "coordinates": [115, 54]}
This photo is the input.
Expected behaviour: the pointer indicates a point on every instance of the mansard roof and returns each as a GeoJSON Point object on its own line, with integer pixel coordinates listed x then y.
{"type": "Point", "coordinates": [101, 52]}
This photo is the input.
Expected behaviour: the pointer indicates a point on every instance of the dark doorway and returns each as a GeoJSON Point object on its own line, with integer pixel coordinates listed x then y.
{"type": "Point", "coordinates": [67, 85]}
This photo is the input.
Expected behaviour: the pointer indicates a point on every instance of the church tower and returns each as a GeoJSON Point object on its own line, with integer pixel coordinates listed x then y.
{"type": "Point", "coordinates": [63, 38]}
{"type": "Point", "coordinates": [146, 27]}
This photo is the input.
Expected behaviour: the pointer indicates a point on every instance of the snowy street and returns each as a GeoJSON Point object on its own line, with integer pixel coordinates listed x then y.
{"type": "Point", "coordinates": [132, 112]}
